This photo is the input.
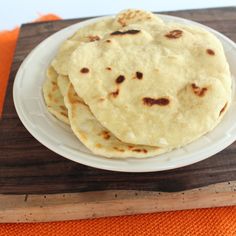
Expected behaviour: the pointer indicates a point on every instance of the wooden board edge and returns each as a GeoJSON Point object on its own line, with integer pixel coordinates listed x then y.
{"type": "Point", "coordinates": [88, 205]}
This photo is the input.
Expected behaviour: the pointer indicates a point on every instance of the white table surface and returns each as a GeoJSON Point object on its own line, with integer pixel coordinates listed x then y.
{"type": "Point", "coordinates": [16, 12]}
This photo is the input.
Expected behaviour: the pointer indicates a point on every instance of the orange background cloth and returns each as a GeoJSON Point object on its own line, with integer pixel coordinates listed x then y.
{"type": "Point", "coordinates": [204, 222]}
{"type": "Point", "coordinates": [209, 222]}
{"type": "Point", "coordinates": [7, 47]}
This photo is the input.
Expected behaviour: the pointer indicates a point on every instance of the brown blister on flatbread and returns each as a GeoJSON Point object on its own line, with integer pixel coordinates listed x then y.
{"type": "Point", "coordinates": [83, 136]}
{"type": "Point", "coordinates": [93, 38]}
{"type": "Point", "coordinates": [50, 96]}
{"type": "Point", "coordinates": [115, 93]}
{"type": "Point", "coordinates": [140, 150]}
{"type": "Point", "coordinates": [129, 32]}
{"type": "Point", "coordinates": [156, 101]}
{"type": "Point", "coordinates": [120, 79]}
{"type": "Point", "coordinates": [210, 52]}
{"type": "Point", "coordinates": [84, 70]}
{"type": "Point", "coordinates": [73, 98]}
{"type": "Point", "coordinates": [63, 108]}
{"type": "Point", "coordinates": [118, 149]}
{"type": "Point", "coordinates": [101, 99]}
{"type": "Point", "coordinates": [105, 134]}
{"type": "Point", "coordinates": [199, 91]}
{"type": "Point", "coordinates": [174, 34]}
{"type": "Point", "coordinates": [139, 75]}
{"type": "Point", "coordinates": [98, 145]}
{"type": "Point", "coordinates": [64, 113]}
{"type": "Point", "coordinates": [54, 86]}
{"type": "Point", "coordinates": [224, 108]}
{"type": "Point", "coordinates": [133, 16]}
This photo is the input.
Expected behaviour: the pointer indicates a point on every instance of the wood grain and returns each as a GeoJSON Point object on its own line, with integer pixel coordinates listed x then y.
{"type": "Point", "coordinates": [57, 207]}
{"type": "Point", "coordinates": [27, 167]}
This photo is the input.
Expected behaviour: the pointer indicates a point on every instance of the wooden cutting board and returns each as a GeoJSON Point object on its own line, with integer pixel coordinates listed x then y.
{"type": "Point", "coordinates": [39, 185]}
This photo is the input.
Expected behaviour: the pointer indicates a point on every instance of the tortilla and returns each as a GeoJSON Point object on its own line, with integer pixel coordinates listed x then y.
{"type": "Point", "coordinates": [86, 34]}
{"type": "Point", "coordinates": [53, 97]}
{"type": "Point", "coordinates": [133, 16]}
{"type": "Point", "coordinates": [95, 31]}
{"type": "Point", "coordinates": [164, 85]}
{"type": "Point", "coordinates": [97, 138]}
{"type": "Point", "coordinates": [63, 82]}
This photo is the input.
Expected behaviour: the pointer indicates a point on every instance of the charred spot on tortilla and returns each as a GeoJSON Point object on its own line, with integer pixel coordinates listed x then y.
{"type": "Point", "coordinates": [139, 75]}
{"type": "Point", "coordinates": [140, 150]}
{"type": "Point", "coordinates": [93, 38]}
{"type": "Point", "coordinates": [223, 109]}
{"type": "Point", "coordinates": [84, 70]}
{"type": "Point", "coordinates": [120, 79]}
{"type": "Point", "coordinates": [105, 134]}
{"type": "Point", "coordinates": [125, 32]}
{"type": "Point", "coordinates": [153, 101]}
{"type": "Point", "coordinates": [174, 34]}
{"type": "Point", "coordinates": [115, 93]}
{"type": "Point", "coordinates": [210, 52]}
{"type": "Point", "coordinates": [199, 91]}
{"type": "Point", "coordinates": [118, 149]}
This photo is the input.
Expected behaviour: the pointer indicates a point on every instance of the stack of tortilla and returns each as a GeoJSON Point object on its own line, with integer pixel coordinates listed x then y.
{"type": "Point", "coordinates": [135, 86]}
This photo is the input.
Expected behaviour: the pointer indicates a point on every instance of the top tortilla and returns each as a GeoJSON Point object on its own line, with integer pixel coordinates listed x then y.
{"type": "Point", "coordinates": [157, 84]}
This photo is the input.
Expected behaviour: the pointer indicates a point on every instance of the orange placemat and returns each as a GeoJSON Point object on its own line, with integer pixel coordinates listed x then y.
{"type": "Point", "coordinates": [7, 47]}
{"type": "Point", "coordinates": [210, 222]}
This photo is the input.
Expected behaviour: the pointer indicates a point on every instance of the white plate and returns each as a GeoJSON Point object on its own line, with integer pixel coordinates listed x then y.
{"type": "Point", "coordinates": [58, 137]}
